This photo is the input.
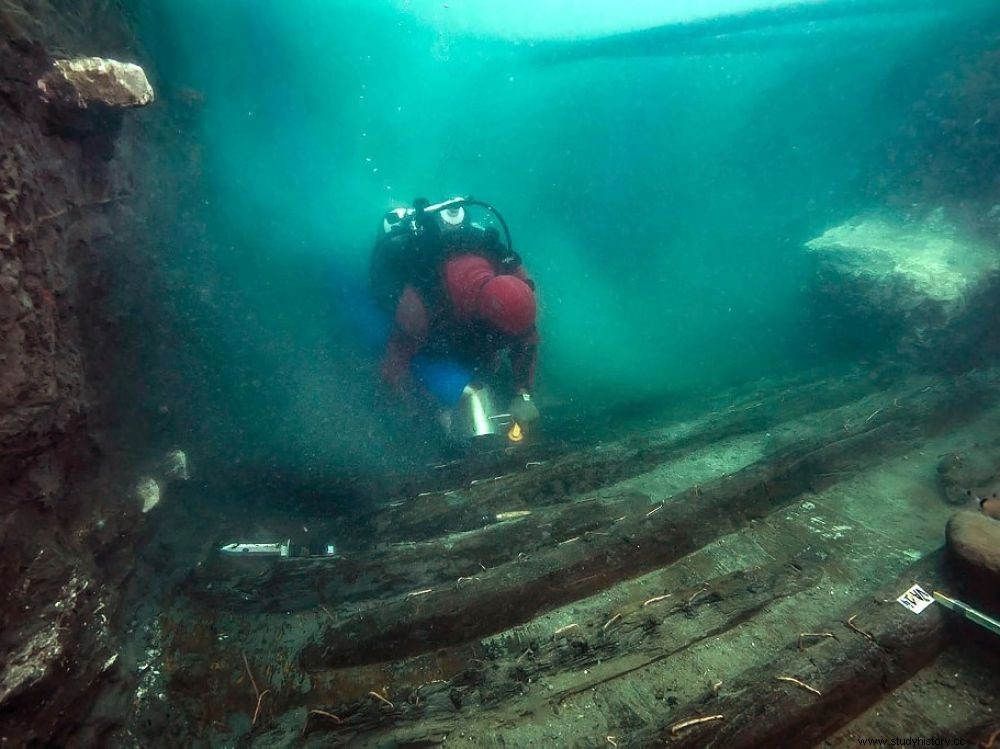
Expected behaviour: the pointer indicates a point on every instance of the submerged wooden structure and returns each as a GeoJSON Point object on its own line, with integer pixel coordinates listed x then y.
{"type": "Point", "coordinates": [729, 580]}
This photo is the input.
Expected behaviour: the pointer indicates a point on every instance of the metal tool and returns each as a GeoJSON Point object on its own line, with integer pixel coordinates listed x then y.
{"type": "Point", "coordinates": [973, 615]}
{"type": "Point", "coordinates": [476, 414]}
{"type": "Point", "coordinates": [281, 550]}
{"type": "Point", "coordinates": [258, 550]}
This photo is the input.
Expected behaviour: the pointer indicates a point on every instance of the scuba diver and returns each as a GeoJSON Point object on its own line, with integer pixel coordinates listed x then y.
{"type": "Point", "coordinates": [459, 299]}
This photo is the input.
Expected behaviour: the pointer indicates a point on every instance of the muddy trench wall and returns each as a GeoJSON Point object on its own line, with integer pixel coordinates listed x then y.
{"type": "Point", "coordinates": [72, 208]}
{"type": "Point", "coordinates": [945, 153]}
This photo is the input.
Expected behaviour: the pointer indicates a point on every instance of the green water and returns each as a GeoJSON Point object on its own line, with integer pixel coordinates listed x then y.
{"type": "Point", "coordinates": [659, 195]}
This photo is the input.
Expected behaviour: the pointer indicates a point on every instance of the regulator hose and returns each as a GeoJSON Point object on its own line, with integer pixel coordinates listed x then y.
{"type": "Point", "coordinates": [460, 202]}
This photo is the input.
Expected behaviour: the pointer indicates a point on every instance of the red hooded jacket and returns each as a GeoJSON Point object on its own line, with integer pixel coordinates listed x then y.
{"type": "Point", "coordinates": [480, 314]}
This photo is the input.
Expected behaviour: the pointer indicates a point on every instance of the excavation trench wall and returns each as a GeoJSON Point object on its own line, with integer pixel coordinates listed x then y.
{"type": "Point", "coordinates": [68, 235]}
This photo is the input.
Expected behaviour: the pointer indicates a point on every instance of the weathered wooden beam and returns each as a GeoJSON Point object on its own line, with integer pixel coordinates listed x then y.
{"type": "Point", "coordinates": [517, 591]}
{"type": "Point", "coordinates": [463, 545]}
{"type": "Point", "coordinates": [394, 569]}
{"type": "Point", "coordinates": [879, 644]}
{"type": "Point", "coordinates": [598, 648]}
{"type": "Point", "coordinates": [560, 478]}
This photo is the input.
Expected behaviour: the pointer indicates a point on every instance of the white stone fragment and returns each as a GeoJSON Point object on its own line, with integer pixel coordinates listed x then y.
{"type": "Point", "coordinates": [110, 662]}
{"type": "Point", "coordinates": [85, 81]}
{"type": "Point", "coordinates": [148, 491]}
{"type": "Point", "coordinates": [175, 466]}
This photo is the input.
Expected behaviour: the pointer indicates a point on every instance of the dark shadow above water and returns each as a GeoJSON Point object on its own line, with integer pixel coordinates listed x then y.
{"type": "Point", "coordinates": [767, 28]}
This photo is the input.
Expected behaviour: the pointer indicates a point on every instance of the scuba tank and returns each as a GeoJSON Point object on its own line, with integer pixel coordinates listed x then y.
{"type": "Point", "coordinates": [412, 241]}
{"type": "Point", "coordinates": [423, 224]}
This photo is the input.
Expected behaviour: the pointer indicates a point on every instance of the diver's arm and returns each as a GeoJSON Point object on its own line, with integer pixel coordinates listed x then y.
{"type": "Point", "coordinates": [399, 352]}
{"type": "Point", "coordinates": [524, 352]}
{"type": "Point", "coordinates": [406, 339]}
{"type": "Point", "coordinates": [524, 360]}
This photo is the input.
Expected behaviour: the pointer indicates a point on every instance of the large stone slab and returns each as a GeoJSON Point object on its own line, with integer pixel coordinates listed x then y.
{"type": "Point", "coordinates": [924, 285]}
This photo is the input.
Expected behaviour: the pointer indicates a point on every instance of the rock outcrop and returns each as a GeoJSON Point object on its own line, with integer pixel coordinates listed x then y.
{"type": "Point", "coordinates": [974, 538]}
{"type": "Point", "coordinates": [969, 473]}
{"type": "Point", "coordinates": [922, 288]}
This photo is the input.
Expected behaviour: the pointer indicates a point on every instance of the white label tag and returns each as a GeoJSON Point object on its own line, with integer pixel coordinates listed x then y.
{"type": "Point", "coordinates": [916, 599]}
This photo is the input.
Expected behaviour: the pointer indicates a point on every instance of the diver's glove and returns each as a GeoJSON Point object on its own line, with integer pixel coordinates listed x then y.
{"type": "Point", "coordinates": [523, 409]}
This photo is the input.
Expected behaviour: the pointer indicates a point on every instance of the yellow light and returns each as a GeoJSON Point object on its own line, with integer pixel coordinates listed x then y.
{"type": "Point", "coordinates": [515, 434]}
